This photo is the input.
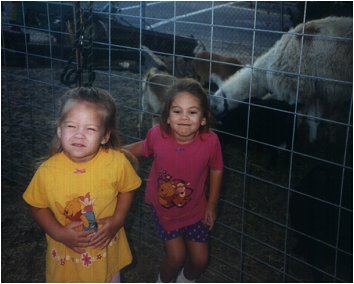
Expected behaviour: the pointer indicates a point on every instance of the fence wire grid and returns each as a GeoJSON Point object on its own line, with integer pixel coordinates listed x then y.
{"type": "Point", "coordinates": [285, 213]}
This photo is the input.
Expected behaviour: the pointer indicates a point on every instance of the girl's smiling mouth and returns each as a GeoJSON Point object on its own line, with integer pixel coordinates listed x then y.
{"type": "Point", "coordinates": [78, 145]}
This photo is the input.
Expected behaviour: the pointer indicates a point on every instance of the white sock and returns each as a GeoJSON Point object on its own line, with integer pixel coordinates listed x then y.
{"type": "Point", "coordinates": [182, 279]}
{"type": "Point", "coordinates": [160, 281]}
{"type": "Point", "coordinates": [116, 278]}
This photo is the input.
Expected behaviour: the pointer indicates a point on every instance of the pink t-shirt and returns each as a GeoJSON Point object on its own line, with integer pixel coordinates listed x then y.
{"type": "Point", "coordinates": [177, 180]}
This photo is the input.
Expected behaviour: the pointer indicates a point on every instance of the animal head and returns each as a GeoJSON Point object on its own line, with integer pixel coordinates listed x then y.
{"type": "Point", "coordinates": [157, 82]}
{"type": "Point", "coordinates": [86, 200]}
{"type": "Point", "coordinates": [219, 104]}
{"type": "Point", "coordinates": [181, 191]}
{"type": "Point", "coordinates": [150, 73]}
{"type": "Point", "coordinates": [87, 203]}
{"type": "Point", "coordinates": [71, 209]}
{"type": "Point", "coordinates": [234, 90]}
{"type": "Point", "coordinates": [167, 189]}
{"type": "Point", "coordinates": [182, 195]}
{"type": "Point", "coordinates": [166, 193]}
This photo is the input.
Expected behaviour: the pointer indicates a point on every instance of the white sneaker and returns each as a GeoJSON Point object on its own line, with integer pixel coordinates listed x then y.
{"type": "Point", "coordinates": [182, 279]}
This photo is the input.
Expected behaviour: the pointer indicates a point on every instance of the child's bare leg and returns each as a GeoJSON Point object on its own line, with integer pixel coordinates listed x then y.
{"type": "Point", "coordinates": [198, 255]}
{"type": "Point", "coordinates": [175, 257]}
{"type": "Point", "coordinates": [116, 278]}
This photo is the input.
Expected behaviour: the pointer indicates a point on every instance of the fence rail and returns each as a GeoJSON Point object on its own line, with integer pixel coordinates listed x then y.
{"type": "Point", "coordinates": [258, 235]}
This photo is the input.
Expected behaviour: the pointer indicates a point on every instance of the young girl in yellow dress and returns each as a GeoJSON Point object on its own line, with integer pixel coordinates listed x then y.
{"type": "Point", "coordinates": [80, 196]}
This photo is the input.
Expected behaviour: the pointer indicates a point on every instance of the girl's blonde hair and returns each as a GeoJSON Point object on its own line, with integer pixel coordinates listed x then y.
{"type": "Point", "coordinates": [194, 88]}
{"type": "Point", "coordinates": [104, 102]}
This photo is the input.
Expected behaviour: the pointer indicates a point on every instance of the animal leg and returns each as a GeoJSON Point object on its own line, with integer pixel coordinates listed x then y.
{"type": "Point", "coordinates": [313, 122]}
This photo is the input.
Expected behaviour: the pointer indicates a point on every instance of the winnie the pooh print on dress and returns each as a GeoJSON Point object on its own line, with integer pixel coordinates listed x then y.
{"type": "Point", "coordinates": [80, 209]}
{"type": "Point", "coordinates": [173, 192]}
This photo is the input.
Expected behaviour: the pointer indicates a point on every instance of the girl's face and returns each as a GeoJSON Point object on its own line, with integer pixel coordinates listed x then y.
{"type": "Point", "coordinates": [186, 117]}
{"type": "Point", "coordinates": [82, 131]}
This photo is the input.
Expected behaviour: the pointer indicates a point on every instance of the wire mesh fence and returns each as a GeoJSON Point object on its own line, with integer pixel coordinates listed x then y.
{"type": "Point", "coordinates": [285, 213]}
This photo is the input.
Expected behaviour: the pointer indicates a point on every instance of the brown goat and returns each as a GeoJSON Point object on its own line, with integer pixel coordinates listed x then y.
{"type": "Point", "coordinates": [221, 67]}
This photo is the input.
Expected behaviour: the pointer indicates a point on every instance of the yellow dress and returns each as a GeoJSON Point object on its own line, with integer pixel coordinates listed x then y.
{"type": "Point", "coordinates": [87, 192]}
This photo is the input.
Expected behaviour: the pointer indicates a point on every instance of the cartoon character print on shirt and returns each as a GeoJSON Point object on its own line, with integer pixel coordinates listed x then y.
{"type": "Point", "coordinates": [87, 210]}
{"type": "Point", "coordinates": [173, 192]}
{"type": "Point", "coordinates": [80, 209]}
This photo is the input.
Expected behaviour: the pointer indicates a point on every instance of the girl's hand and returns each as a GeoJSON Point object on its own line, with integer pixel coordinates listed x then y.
{"type": "Point", "coordinates": [105, 233]}
{"type": "Point", "coordinates": [75, 240]}
{"type": "Point", "coordinates": [210, 217]}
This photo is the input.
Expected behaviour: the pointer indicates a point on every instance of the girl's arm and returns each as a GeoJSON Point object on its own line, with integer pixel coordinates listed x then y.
{"type": "Point", "coordinates": [112, 224]}
{"type": "Point", "coordinates": [64, 234]}
{"type": "Point", "coordinates": [137, 148]}
{"type": "Point", "coordinates": [214, 192]}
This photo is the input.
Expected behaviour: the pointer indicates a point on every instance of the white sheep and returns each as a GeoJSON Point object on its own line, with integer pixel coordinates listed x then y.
{"type": "Point", "coordinates": [326, 51]}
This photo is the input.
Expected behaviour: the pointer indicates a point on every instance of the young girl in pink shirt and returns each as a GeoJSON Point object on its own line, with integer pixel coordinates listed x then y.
{"type": "Point", "coordinates": [186, 152]}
